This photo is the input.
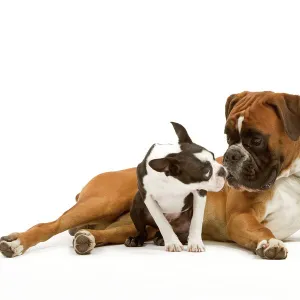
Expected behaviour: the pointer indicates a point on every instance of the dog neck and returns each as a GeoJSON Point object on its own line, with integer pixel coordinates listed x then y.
{"type": "Point", "coordinates": [294, 169]}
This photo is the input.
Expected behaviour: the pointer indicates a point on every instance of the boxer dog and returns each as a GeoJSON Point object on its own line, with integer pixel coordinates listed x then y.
{"type": "Point", "coordinates": [258, 208]}
{"type": "Point", "coordinates": [173, 180]}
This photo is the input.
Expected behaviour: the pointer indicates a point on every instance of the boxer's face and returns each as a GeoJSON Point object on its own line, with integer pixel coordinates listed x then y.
{"type": "Point", "coordinates": [259, 147]}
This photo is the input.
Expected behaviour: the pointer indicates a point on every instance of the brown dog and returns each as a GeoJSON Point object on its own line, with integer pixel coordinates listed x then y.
{"type": "Point", "coordinates": [261, 207]}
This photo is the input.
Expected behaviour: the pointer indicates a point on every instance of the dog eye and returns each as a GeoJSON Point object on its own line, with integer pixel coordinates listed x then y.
{"type": "Point", "coordinates": [207, 172]}
{"type": "Point", "coordinates": [256, 141]}
{"type": "Point", "coordinates": [228, 139]}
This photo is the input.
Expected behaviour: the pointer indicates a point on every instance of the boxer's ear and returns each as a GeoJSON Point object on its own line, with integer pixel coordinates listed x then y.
{"type": "Point", "coordinates": [232, 100]}
{"type": "Point", "coordinates": [230, 103]}
{"type": "Point", "coordinates": [183, 136]}
{"type": "Point", "coordinates": [168, 165]}
{"type": "Point", "coordinates": [288, 109]}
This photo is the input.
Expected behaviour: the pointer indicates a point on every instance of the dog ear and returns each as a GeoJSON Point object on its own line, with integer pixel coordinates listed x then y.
{"type": "Point", "coordinates": [232, 100]}
{"type": "Point", "coordinates": [170, 166]}
{"type": "Point", "coordinates": [182, 134]}
{"type": "Point", "coordinates": [230, 103]}
{"type": "Point", "coordinates": [287, 108]}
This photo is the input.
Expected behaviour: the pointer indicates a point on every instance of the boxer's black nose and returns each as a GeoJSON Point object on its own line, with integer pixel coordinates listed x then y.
{"type": "Point", "coordinates": [232, 156]}
{"type": "Point", "coordinates": [222, 172]}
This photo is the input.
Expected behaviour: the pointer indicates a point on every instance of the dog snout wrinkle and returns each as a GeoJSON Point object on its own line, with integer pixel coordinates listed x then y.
{"type": "Point", "coordinates": [233, 155]}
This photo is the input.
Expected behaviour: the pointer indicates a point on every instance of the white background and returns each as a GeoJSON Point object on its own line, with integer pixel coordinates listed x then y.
{"type": "Point", "coordinates": [87, 87]}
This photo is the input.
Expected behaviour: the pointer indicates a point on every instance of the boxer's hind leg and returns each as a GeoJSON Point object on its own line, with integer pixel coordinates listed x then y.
{"type": "Point", "coordinates": [116, 233]}
{"type": "Point", "coordinates": [81, 213]}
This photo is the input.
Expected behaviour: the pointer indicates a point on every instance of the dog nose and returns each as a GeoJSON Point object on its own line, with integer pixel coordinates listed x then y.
{"type": "Point", "coordinates": [222, 172]}
{"type": "Point", "coordinates": [232, 156]}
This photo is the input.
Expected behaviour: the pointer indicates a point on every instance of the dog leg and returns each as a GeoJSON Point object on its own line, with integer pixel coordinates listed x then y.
{"type": "Point", "coordinates": [195, 243]}
{"type": "Point", "coordinates": [81, 213]}
{"type": "Point", "coordinates": [247, 231]}
{"type": "Point", "coordinates": [106, 197]}
{"type": "Point", "coordinates": [172, 243]}
{"type": "Point", "coordinates": [137, 214]}
{"type": "Point", "coordinates": [116, 233]}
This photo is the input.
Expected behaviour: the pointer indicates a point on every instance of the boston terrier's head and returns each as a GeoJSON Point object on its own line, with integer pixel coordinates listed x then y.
{"type": "Point", "coordinates": [193, 165]}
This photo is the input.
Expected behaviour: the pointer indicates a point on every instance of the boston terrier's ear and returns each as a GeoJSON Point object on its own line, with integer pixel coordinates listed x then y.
{"type": "Point", "coordinates": [170, 166]}
{"type": "Point", "coordinates": [182, 134]}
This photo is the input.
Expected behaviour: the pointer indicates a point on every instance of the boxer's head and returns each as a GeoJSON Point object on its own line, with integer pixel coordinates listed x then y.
{"type": "Point", "coordinates": [263, 132]}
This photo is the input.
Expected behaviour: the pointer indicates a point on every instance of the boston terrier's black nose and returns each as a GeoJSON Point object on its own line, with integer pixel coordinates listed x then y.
{"type": "Point", "coordinates": [222, 172]}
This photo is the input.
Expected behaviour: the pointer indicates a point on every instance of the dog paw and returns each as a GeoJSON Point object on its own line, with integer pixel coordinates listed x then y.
{"type": "Point", "coordinates": [174, 247]}
{"type": "Point", "coordinates": [272, 249]}
{"type": "Point", "coordinates": [136, 241]}
{"type": "Point", "coordinates": [84, 242]}
{"type": "Point", "coordinates": [196, 246]}
{"type": "Point", "coordinates": [158, 239]}
{"type": "Point", "coordinates": [10, 246]}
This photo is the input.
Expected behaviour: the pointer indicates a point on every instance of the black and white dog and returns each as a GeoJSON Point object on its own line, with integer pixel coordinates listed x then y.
{"type": "Point", "coordinates": [172, 182]}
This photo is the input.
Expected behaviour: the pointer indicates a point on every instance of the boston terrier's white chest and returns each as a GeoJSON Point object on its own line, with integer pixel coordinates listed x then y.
{"type": "Point", "coordinates": [283, 210]}
{"type": "Point", "coordinates": [167, 192]}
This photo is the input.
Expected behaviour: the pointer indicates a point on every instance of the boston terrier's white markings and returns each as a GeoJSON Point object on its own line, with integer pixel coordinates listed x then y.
{"type": "Point", "coordinates": [195, 243]}
{"type": "Point", "coordinates": [172, 243]}
{"type": "Point", "coordinates": [215, 182]}
{"type": "Point", "coordinates": [170, 192]}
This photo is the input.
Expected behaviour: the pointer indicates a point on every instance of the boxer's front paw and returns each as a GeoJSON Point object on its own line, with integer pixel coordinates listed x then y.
{"type": "Point", "coordinates": [196, 245]}
{"type": "Point", "coordinates": [10, 246]}
{"type": "Point", "coordinates": [272, 249]}
{"type": "Point", "coordinates": [136, 241]}
{"type": "Point", "coordinates": [158, 239]}
{"type": "Point", "coordinates": [84, 242]}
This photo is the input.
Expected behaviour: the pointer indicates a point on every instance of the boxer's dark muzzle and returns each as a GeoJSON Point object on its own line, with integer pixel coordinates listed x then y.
{"type": "Point", "coordinates": [249, 172]}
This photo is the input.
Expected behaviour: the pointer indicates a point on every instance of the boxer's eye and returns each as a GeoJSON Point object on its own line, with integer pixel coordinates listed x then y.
{"type": "Point", "coordinates": [256, 141]}
{"type": "Point", "coordinates": [228, 140]}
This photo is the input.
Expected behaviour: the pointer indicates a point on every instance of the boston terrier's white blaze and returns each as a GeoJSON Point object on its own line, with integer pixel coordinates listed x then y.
{"type": "Point", "coordinates": [172, 182]}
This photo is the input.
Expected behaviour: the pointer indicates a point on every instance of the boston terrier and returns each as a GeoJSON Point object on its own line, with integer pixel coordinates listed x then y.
{"type": "Point", "coordinates": [173, 180]}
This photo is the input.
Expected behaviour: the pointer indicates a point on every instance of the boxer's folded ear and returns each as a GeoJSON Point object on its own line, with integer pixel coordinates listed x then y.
{"type": "Point", "coordinates": [232, 100]}
{"type": "Point", "coordinates": [230, 103]}
{"type": "Point", "coordinates": [288, 109]}
{"type": "Point", "coordinates": [168, 165]}
{"type": "Point", "coordinates": [182, 134]}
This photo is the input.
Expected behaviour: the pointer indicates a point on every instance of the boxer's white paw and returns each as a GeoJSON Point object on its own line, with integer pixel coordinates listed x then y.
{"type": "Point", "coordinates": [271, 249]}
{"type": "Point", "coordinates": [174, 246]}
{"type": "Point", "coordinates": [84, 242]}
{"type": "Point", "coordinates": [196, 245]}
{"type": "Point", "coordinates": [10, 246]}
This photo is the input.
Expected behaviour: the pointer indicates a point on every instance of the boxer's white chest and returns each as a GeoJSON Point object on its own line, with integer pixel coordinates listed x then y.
{"type": "Point", "coordinates": [283, 210]}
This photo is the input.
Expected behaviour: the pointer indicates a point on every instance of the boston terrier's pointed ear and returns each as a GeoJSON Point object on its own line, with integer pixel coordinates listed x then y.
{"type": "Point", "coordinates": [169, 166]}
{"type": "Point", "coordinates": [182, 134]}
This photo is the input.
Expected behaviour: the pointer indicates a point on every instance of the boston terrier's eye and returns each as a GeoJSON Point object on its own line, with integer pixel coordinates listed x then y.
{"type": "Point", "coordinates": [207, 172]}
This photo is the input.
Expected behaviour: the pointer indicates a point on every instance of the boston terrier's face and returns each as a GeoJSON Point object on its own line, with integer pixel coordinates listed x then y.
{"type": "Point", "coordinates": [193, 165]}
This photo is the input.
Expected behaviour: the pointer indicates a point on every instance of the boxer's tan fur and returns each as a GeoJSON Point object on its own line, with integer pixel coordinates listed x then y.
{"type": "Point", "coordinates": [230, 215]}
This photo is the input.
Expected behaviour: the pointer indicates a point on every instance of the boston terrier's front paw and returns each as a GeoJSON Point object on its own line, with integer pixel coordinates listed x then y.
{"type": "Point", "coordinates": [158, 239]}
{"type": "Point", "coordinates": [137, 241]}
{"type": "Point", "coordinates": [196, 245]}
{"type": "Point", "coordinates": [173, 245]}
